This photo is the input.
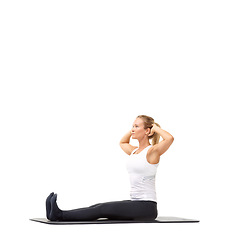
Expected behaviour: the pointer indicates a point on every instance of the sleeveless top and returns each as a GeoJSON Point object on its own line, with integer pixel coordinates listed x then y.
{"type": "Point", "coordinates": [142, 176]}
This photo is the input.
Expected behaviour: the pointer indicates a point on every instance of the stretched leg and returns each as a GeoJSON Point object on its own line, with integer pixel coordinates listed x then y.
{"type": "Point", "coordinates": [80, 214]}
{"type": "Point", "coordinates": [120, 210]}
{"type": "Point", "coordinates": [129, 210]}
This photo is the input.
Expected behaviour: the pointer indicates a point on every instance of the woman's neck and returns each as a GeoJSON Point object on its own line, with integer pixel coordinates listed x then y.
{"type": "Point", "coordinates": [143, 144]}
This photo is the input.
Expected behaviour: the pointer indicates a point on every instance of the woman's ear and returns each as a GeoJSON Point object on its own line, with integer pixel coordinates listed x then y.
{"type": "Point", "coordinates": [148, 132]}
{"type": "Point", "coordinates": [151, 133]}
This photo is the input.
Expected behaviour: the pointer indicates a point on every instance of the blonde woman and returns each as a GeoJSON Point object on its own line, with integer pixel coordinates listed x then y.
{"type": "Point", "coordinates": [142, 167]}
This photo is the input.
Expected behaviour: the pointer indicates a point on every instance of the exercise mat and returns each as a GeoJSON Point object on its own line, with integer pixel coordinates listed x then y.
{"type": "Point", "coordinates": [107, 221]}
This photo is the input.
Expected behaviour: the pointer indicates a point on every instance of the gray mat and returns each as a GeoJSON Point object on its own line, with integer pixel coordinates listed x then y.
{"type": "Point", "coordinates": [106, 221]}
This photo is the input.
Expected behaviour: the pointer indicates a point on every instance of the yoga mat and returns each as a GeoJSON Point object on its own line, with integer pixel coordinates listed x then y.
{"type": "Point", "coordinates": [106, 221]}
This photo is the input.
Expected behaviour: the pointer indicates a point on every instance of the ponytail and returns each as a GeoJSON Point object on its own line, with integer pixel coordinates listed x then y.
{"type": "Point", "coordinates": [155, 137]}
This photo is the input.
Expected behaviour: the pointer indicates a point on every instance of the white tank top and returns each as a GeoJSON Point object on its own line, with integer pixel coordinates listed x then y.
{"type": "Point", "coordinates": [142, 176]}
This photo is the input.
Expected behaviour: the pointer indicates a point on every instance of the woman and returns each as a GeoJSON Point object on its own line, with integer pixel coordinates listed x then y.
{"type": "Point", "coordinates": [142, 166]}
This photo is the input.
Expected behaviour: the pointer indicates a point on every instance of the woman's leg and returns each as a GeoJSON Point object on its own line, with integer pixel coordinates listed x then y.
{"type": "Point", "coordinates": [81, 214]}
{"type": "Point", "coordinates": [120, 210]}
{"type": "Point", "coordinates": [129, 210]}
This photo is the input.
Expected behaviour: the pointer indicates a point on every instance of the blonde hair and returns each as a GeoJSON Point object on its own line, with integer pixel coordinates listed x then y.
{"type": "Point", "coordinates": [148, 123]}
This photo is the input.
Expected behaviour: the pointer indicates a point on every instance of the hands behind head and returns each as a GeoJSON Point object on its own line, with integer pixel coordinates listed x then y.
{"type": "Point", "coordinates": [153, 130]}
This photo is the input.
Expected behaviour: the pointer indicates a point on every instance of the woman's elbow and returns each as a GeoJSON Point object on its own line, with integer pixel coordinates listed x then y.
{"type": "Point", "coordinates": [171, 139]}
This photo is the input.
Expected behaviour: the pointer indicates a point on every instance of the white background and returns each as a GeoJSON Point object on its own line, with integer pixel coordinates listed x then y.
{"type": "Point", "coordinates": [75, 74]}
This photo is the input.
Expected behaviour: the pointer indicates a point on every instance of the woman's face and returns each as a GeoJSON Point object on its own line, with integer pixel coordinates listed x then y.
{"type": "Point", "coordinates": [138, 130]}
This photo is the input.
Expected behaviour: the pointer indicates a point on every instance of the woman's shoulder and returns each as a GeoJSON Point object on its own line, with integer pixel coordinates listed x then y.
{"type": "Point", "coordinates": [134, 150]}
{"type": "Point", "coordinates": [128, 148]}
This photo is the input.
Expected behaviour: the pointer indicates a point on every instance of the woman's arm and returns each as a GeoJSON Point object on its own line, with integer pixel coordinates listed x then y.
{"type": "Point", "coordinates": [164, 134]}
{"type": "Point", "coordinates": [160, 148]}
{"type": "Point", "coordinates": [124, 143]}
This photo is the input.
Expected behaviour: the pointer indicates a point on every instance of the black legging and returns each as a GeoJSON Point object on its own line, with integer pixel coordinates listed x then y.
{"type": "Point", "coordinates": [119, 210]}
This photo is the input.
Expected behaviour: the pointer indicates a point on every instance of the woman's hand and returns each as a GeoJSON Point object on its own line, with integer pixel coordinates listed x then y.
{"type": "Point", "coordinates": [153, 130]}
